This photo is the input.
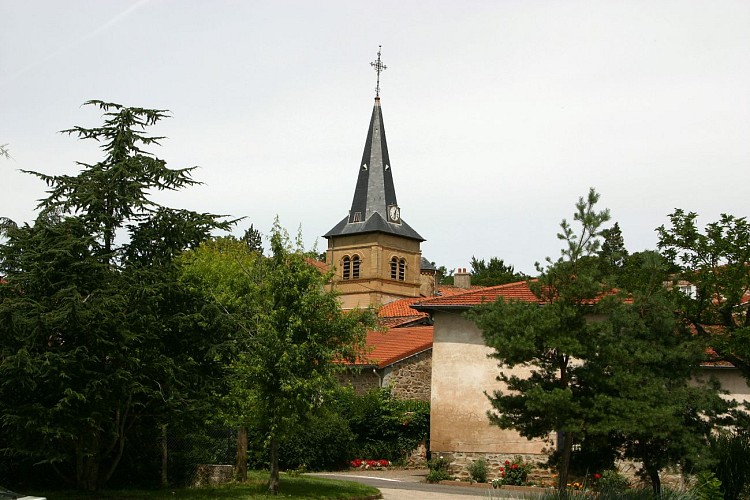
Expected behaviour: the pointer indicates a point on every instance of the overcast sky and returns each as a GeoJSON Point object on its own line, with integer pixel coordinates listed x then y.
{"type": "Point", "coordinates": [498, 114]}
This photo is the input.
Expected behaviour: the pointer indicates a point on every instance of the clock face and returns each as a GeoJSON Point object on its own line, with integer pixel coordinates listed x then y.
{"type": "Point", "coordinates": [394, 213]}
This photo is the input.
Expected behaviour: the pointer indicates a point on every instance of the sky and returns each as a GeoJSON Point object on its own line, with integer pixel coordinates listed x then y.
{"type": "Point", "coordinates": [499, 114]}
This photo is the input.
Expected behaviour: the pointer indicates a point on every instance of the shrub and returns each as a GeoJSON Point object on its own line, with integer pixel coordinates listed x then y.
{"type": "Point", "coordinates": [707, 487]}
{"type": "Point", "coordinates": [611, 482]}
{"type": "Point", "coordinates": [514, 473]}
{"type": "Point", "coordinates": [731, 453]}
{"type": "Point", "coordinates": [439, 470]}
{"type": "Point", "coordinates": [325, 443]}
{"type": "Point", "coordinates": [383, 426]}
{"type": "Point", "coordinates": [478, 470]}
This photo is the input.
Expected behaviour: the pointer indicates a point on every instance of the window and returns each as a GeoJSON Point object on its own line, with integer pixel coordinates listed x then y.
{"type": "Point", "coordinates": [355, 267]}
{"type": "Point", "coordinates": [346, 268]}
{"type": "Point", "coordinates": [398, 269]}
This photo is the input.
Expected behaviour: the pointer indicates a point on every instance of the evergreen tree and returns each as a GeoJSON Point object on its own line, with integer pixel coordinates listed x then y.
{"type": "Point", "coordinates": [494, 272]}
{"type": "Point", "coordinates": [97, 336]}
{"type": "Point", "coordinates": [607, 369]}
{"type": "Point", "coordinates": [549, 339]}
{"type": "Point", "coordinates": [254, 239]}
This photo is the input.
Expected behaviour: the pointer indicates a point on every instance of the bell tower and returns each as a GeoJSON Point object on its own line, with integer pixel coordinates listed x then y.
{"type": "Point", "coordinates": [375, 254]}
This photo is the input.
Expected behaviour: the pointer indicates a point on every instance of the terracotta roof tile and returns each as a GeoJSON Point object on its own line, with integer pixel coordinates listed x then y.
{"type": "Point", "coordinates": [518, 291]}
{"type": "Point", "coordinates": [395, 344]}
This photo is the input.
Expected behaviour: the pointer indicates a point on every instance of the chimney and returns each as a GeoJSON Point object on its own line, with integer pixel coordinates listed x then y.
{"type": "Point", "coordinates": [462, 279]}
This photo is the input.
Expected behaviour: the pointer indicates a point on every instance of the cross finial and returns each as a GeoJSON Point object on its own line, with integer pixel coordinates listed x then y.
{"type": "Point", "coordinates": [379, 67]}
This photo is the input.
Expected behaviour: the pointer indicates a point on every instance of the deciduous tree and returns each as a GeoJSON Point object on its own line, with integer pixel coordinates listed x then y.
{"type": "Point", "coordinates": [292, 337]}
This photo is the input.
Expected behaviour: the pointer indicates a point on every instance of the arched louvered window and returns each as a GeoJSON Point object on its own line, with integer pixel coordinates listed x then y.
{"type": "Point", "coordinates": [402, 269]}
{"type": "Point", "coordinates": [346, 268]}
{"type": "Point", "coordinates": [394, 268]}
{"type": "Point", "coordinates": [355, 267]}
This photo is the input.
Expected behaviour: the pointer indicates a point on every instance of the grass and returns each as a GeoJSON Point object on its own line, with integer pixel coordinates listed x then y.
{"type": "Point", "coordinates": [292, 487]}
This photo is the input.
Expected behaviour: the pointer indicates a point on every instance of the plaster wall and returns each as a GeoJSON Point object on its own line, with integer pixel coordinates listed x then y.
{"type": "Point", "coordinates": [461, 373]}
{"type": "Point", "coordinates": [731, 380]}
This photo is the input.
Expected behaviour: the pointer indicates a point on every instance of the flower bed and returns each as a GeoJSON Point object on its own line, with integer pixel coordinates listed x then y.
{"type": "Point", "coordinates": [359, 463]}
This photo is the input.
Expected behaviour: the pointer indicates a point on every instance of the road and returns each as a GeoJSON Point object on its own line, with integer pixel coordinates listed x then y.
{"type": "Point", "coordinates": [408, 485]}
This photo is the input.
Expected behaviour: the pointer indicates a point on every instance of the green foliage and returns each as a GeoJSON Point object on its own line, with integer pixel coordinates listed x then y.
{"type": "Point", "coordinates": [514, 473]}
{"type": "Point", "coordinates": [707, 487]}
{"type": "Point", "coordinates": [716, 262]}
{"type": "Point", "coordinates": [290, 334]}
{"type": "Point", "coordinates": [440, 470]}
{"type": "Point", "coordinates": [384, 427]}
{"type": "Point", "coordinates": [627, 390]}
{"type": "Point", "coordinates": [731, 455]}
{"type": "Point", "coordinates": [547, 339]}
{"type": "Point", "coordinates": [95, 335]}
{"type": "Point", "coordinates": [254, 240]}
{"type": "Point", "coordinates": [611, 483]}
{"type": "Point", "coordinates": [613, 254]}
{"type": "Point", "coordinates": [494, 272]}
{"type": "Point", "coordinates": [443, 276]}
{"type": "Point", "coordinates": [325, 443]}
{"type": "Point", "coordinates": [478, 470]}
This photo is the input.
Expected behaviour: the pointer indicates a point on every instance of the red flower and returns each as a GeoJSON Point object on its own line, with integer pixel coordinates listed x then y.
{"type": "Point", "coordinates": [383, 463]}
{"type": "Point", "coordinates": [507, 462]}
{"type": "Point", "coordinates": [356, 463]}
{"type": "Point", "coordinates": [503, 474]}
{"type": "Point", "coordinates": [597, 476]}
{"type": "Point", "coordinates": [514, 466]}
{"type": "Point", "coordinates": [502, 469]}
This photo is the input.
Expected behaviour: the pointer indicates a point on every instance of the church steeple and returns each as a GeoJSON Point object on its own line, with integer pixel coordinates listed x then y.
{"type": "Point", "coordinates": [375, 255]}
{"type": "Point", "coordinates": [374, 207]}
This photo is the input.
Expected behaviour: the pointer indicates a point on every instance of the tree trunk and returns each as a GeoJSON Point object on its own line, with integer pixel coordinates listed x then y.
{"type": "Point", "coordinates": [164, 457]}
{"type": "Point", "coordinates": [87, 462]}
{"type": "Point", "coordinates": [567, 448]}
{"type": "Point", "coordinates": [273, 484]}
{"type": "Point", "coordinates": [653, 475]}
{"type": "Point", "coordinates": [241, 454]}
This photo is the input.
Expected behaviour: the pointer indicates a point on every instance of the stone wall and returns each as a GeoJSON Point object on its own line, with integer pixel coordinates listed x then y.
{"type": "Point", "coordinates": [360, 380]}
{"type": "Point", "coordinates": [411, 378]}
{"type": "Point", "coordinates": [212, 475]}
{"type": "Point", "coordinates": [460, 461]}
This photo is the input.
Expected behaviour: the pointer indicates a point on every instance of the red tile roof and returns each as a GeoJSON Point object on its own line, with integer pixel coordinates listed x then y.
{"type": "Point", "coordinates": [517, 291]}
{"type": "Point", "coordinates": [396, 344]}
{"type": "Point", "coordinates": [402, 309]}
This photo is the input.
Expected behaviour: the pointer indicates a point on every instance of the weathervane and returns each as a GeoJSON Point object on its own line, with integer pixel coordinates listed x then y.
{"type": "Point", "coordinates": [379, 67]}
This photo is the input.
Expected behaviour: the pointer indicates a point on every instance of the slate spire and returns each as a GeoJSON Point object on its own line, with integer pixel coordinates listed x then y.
{"type": "Point", "coordinates": [374, 207]}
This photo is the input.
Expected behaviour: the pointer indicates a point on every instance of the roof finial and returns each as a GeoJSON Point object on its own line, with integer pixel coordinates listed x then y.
{"type": "Point", "coordinates": [379, 67]}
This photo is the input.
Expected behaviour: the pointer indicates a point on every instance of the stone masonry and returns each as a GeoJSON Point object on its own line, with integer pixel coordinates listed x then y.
{"type": "Point", "coordinates": [411, 378]}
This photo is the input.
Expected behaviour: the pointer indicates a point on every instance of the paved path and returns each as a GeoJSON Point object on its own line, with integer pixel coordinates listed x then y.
{"type": "Point", "coordinates": [408, 484]}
